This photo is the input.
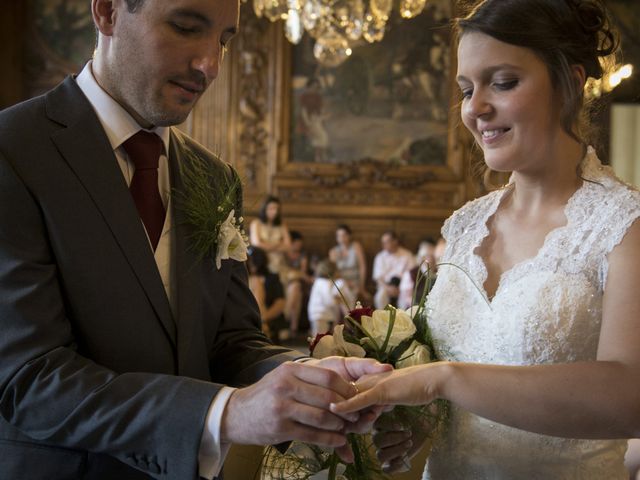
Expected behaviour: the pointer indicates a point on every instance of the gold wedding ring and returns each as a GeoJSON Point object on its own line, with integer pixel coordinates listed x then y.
{"type": "Point", "coordinates": [356, 387]}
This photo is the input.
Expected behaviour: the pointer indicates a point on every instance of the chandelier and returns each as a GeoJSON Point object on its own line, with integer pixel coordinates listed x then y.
{"type": "Point", "coordinates": [336, 25]}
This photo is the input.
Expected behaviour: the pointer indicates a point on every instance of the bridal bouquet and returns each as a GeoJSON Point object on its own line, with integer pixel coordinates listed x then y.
{"type": "Point", "coordinates": [401, 338]}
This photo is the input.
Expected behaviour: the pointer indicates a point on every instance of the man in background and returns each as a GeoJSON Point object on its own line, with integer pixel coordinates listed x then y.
{"type": "Point", "coordinates": [388, 267]}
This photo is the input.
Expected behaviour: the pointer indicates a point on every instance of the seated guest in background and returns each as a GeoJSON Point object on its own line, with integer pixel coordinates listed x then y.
{"type": "Point", "coordinates": [325, 302]}
{"type": "Point", "coordinates": [441, 244]}
{"type": "Point", "coordinates": [351, 263]}
{"type": "Point", "coordinates": [388, 267]}
{"type": "Point", "coordinates": [267, 289]}
{"type": "Point", "coordinates": [425, 262]}
{"type": "Point", "coordinates": [297, 281]}
{"type": "Point", "coordinates": [269, 233]}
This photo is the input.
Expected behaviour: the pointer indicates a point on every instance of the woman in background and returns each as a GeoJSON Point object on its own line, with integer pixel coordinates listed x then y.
{"type": "Point", "coordinates": [269, 294]}
{"type": "Point", "coordinates": [269, 233]}
{"type": "Point", "coordinates": [425, 269]}
{"type": "Point", "coordinates": [298, 281]}
{"type": "Point", "coordinates": [351, 263]}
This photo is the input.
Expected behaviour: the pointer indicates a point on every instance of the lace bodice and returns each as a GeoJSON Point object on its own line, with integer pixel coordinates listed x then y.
{"type": "Point", "coordinates": [546, 309]}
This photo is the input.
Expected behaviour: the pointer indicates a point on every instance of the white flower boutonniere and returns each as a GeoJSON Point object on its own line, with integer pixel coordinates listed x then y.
{"type": "Point", "coordinates": [208, 202]}
{"type": "Point", "coordinates": [231, 241]}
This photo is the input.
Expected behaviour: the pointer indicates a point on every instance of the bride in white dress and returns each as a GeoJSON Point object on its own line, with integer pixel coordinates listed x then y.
{"type": "Point", "coordinates": [542, 360]}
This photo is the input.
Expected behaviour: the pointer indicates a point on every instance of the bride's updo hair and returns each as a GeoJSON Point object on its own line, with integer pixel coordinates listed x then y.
{"type": "Point", "coordinates": [563, 33]}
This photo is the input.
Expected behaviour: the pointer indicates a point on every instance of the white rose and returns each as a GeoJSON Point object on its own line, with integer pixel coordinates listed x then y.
{"type": "Point", "coordinates": [324, 347]}
{"type": "Point", "coordinates": [335, 344]}
{"type": "Point", "coordinates": [346, 349]}
{"type": "Point", "coordinates": [416, 354]}
{"type": "Point", "coordinates": [378, 325]}
{"type": "Point", "coordinates": [230, 242]}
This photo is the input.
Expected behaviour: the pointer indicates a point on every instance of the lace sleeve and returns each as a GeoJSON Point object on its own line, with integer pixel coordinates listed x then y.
{"type": "Point", "coordinates": [447, 227]}
{"type": "Point", "coordinates": [626, 205]}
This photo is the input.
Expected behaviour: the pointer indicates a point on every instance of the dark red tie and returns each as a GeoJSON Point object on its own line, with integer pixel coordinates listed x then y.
{"type": "Point", "coordinates": [144, 150]}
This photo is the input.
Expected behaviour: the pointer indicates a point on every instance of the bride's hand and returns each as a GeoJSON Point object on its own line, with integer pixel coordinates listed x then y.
{"type": "Point", "coordinates": [407, 386]}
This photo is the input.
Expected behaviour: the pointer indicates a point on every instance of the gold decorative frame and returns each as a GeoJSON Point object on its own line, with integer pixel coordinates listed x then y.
{"type": "Point", "coordinates": [368, 179]}
{"type": "Point", "coordinates": [372, 196]}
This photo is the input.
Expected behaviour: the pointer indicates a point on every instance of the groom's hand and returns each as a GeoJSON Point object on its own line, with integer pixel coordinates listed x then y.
{"type": "Point", "coordinates": [292, 403]}
{"type": "Point", "coordinates": [351, 369]}
{"type": "Point", "coordinates": [289, 403]}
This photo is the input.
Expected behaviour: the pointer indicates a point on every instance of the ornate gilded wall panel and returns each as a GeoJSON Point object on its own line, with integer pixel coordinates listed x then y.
{"type": "Point", "coordinates": [370, 194]}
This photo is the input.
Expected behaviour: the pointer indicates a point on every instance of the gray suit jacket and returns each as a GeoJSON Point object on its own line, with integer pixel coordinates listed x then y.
{"type": "Point", "coordinates": [98, 380]}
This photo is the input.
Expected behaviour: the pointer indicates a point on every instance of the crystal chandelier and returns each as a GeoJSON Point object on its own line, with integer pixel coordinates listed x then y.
{"type": "Point", "coordinates": [336, 25]}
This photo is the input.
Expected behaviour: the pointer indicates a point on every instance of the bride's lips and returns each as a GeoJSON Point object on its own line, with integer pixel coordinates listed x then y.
{"type": "Point", "coordinates": [491, 136]}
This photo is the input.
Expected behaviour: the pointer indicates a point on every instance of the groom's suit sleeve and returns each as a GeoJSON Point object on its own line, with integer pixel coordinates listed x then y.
{"type": "Point", "coordinates": [148, 417]}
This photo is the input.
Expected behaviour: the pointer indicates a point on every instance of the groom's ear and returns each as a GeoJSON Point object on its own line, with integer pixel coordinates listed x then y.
{"type": "Point", "coordinates": [104, 13]}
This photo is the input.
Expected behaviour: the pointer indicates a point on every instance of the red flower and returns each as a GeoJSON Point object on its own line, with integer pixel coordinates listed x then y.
{"type": "Point", "coordinates": [315, 341]}
{"type": "Point", "coordinates": [357, 313]}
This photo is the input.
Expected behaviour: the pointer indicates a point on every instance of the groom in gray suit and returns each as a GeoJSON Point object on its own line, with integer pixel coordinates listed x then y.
{"type": "Point", "coordinates": [120, 350]}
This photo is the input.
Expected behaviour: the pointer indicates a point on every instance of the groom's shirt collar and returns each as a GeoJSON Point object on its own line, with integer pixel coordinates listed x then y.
{"type": "Point", "coordinates": [118, 124]}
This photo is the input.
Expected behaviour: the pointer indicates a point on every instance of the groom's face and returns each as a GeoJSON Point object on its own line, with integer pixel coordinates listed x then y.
{"type": "Point", "coordinates": [160, 58]}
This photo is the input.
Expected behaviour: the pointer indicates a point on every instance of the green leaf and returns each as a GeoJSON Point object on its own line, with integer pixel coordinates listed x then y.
{"type": "Point", "coordinates": [392, 321]}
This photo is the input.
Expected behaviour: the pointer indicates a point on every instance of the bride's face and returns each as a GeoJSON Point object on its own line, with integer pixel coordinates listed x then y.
{"type": "Point", "coordinates": [509, 104]}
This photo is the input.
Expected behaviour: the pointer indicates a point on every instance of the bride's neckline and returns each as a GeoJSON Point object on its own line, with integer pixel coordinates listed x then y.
{"type": "Point", "coordinates": [587, 167]}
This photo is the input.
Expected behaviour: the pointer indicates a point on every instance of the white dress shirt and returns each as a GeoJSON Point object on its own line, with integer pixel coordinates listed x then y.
{"type": "Point", "coordinates": [119, 126]}
{"type": "Point", "coordinates": [387, 265]}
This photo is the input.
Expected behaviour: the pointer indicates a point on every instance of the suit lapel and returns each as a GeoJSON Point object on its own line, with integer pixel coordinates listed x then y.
{"type": "Point", "coordinates": [188, 272]}
{"type": "Point", "coordinates": [85, 147]}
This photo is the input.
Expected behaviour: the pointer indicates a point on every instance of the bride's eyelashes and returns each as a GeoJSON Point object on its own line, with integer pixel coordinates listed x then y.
{"type": "Point", "coordinates": [505, 85]}
{"type": "Point", "coordinates": [502, 86]}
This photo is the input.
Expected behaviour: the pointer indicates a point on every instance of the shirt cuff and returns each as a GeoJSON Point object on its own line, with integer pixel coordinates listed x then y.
{"type": "Point", "coordinates": [212, 453]}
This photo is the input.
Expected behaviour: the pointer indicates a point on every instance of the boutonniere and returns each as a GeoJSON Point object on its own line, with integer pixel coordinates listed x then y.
{"type": "Point", "coordinates": [208, 202]}
{"type": "Point", "coordinates": [232, 241]}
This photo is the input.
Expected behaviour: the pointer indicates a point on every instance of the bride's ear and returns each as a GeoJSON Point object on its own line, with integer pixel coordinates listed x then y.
{"type": "Point", "coordinates": [580, 75]}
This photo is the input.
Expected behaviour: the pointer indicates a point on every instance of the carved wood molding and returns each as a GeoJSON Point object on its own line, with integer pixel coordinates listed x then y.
{"type": "Point", "coordinates": [368, 171]}
{"type": "Point", "coordinates": [253, 74]}
{"type": "Point", "coordinates": [411, 201]}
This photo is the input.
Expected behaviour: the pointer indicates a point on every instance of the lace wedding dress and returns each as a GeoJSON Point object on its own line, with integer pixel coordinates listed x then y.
{"type": "Point", "coordinates": [546, 310]}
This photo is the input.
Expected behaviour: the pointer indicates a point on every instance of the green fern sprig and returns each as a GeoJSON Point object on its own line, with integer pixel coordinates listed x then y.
{"type": "Point", "coordinates": [207, 198]}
